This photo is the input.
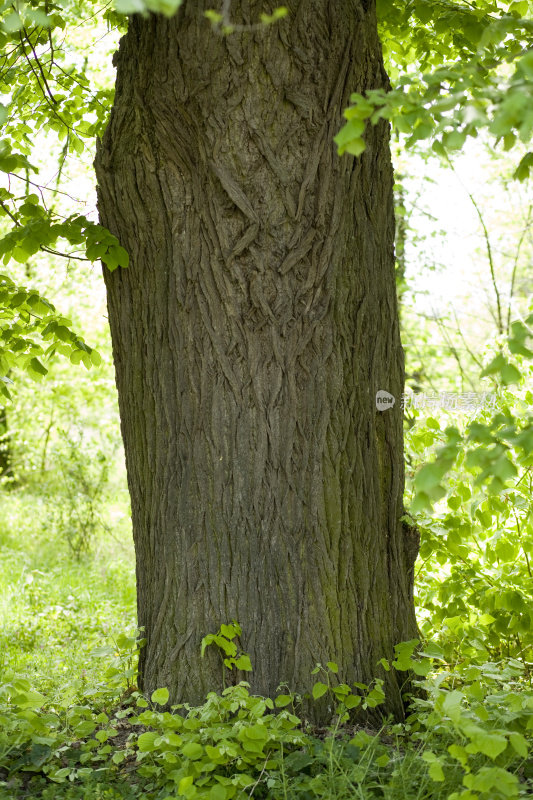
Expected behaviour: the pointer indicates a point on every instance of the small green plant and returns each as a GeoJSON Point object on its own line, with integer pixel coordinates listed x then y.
{"type": "Point", "coordinates": [124, 654]}
{"type": "Point", "coordinates": [228, 649]}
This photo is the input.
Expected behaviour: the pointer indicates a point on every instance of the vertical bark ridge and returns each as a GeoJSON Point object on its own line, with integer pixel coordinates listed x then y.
{"type": "Point", "coordinates": [251, 331]}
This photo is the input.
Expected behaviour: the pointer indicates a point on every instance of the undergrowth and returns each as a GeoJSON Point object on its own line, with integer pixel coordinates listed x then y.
{"type": "Point", "coordinates": [466, 740]}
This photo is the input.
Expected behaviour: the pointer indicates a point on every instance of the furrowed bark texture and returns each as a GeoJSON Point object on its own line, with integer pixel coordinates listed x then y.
{"type": "Point", "coordinates": [251, 331]}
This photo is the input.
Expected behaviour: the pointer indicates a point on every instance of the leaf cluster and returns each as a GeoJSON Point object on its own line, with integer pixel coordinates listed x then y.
{"type": "Point", "coordinates": [457, 68]}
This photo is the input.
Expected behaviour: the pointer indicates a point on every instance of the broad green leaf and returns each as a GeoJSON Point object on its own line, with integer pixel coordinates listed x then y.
{"type": "Point", "coordinates": [490, 744]}
{"type": "Point", "coordinates": [192, 750]}
{"type": "Point", "coordinates": [452, 704]}
{"type": "Point", "coordinates": [244, 663]}
{"type": "Point", "coordinates": [160, 696]}
{"type": "Point", "coordinates": [352, 701]}
{"type": "Point", "coordinates": [519, 744]}
{"type": "Point", "coordinates": [283, 700]}
{"type": "Point", "coordinates": [319, 689]}
{"type": "Point", "coordinates": [146, 741]}
{"type": "Point", "coordinates": [184, 784]}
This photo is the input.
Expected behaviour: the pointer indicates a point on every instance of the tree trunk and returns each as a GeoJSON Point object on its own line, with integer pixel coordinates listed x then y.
{"type": "Point", "coordinates": [251, 332]}
{"type": "Point", "coordinates": [6, 454]}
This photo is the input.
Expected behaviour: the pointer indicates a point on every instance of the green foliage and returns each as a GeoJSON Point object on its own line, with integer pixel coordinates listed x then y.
{"type": "Point", "coordinates": [166, 7]}
{"type": "Point", "coordinates": [470, 729]}
{"type": "Point", "coordinates": [487, 719]}
{"type": "Point", "coordinates": [55, 611]}
{"type": "Point", "coordinates": [217, 749]}
{"type": "Point", "coordinates": [475, 581]}
{"type": "Point", "coordinates": [231, 657]}
{"type": "Point", "coordinates": [31, 330]}
{"type": "Point", "coordinates": [39, 739]}
{"type": "Point", "coordinates": [38, 229]}
{"type": "Point", "coordinates": [457, 68]}
{"type": "Point", "coordinates": [346, 697]}
{"type": "Point", "coordinates": [48, 94]}
{"type": "Point", "coordinates": [495, 449]}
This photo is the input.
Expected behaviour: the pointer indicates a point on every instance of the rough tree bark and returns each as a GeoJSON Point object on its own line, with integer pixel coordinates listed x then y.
{"type": "Point", "coordinates": [251, 332]}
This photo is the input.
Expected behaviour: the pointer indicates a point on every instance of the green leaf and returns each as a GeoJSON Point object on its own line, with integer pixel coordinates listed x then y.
{"type": "Point", "coordinates": [496, 365]}
{"type": "Point", "coordinates": [244, 663]}
{"type": "Point", "coordinates": [110, 260]}
{"type": "Point", "coordinates": [341, 691]}
{"type": "Point", "coordinates": [160, 696]}
{"type": "Point", "coordinates": [193, 751]}
{"type": "Point", "coordinates": [429, 477]}
{"type": "Point", "coordinates": [213, 16]}
{"type": "Point", "coordinates": [184, 784]}
{"type": "Point", "coordinates": [489, 779]}
{"type": "Point", "coordinates": [452, 704]}
{"type": "Point", "coordinates": [352, 701]}
{"type": "Point", "coordinates": [349, 138]}
{"type": "Point", "coordinates": [12, 22]}
{"type": "Point", "coordinates": [510, 374]}
{"type": "Point", "coordinates": [257, 732]}
{"type": "Point", "coordinates": [523, 169]}
{"type": "Point", "coordinates": [37, 367]}
{"type": "Point", "coordinates": [319, 689]}
{"type": "Point", "coordinates": [283, 700]}
{"type": "Point", "coordinates": [102, 652]}
{"type": "Point", "coordinates": [490, 744]}
{"type": "Point", "coordinates": [76, 356]}
{"type": "Point", "coordinates": [435, 772]}
{"type": "Point", "coordinates": [121, 256]}
{"type": "Point", "coordinates": [96, 358]}
{"type": "Point", "coordinates": [278, 13]}
{"type": "Point", "coordinates": [146, 741]}
{"type": "Point", "coordinates": [435, 767]}
{"type": "Point", "coordinates": [458, 752]}
{"type": "Point", "coordinates": [229, 648]}
{"type": "Point", "coordinates": [217, 792]}
{"type": "Point", "coordinates": [519, 744]}
{"type": "Point", "coordinates": [354, 147]}
{"type": "Point", "coordinates": [421, 502]}
{"type": "Point", "coordinates": [229, 631]}
{"type": "Point", "coordinates": [206, 641]}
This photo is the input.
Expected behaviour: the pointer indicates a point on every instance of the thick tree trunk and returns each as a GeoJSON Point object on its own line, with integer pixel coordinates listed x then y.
{"type": "Point", "coordinates": [251, 332]}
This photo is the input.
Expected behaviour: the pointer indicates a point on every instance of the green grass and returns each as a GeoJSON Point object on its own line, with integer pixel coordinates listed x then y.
{"type": "Point", "coordinates": [54, 608]}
